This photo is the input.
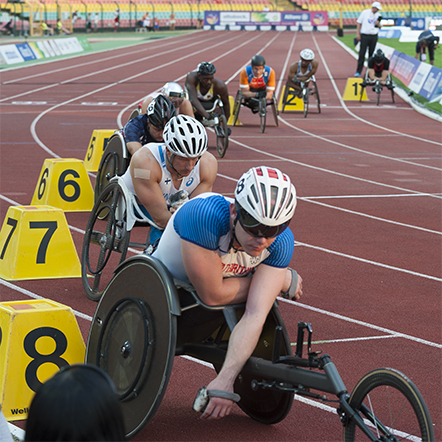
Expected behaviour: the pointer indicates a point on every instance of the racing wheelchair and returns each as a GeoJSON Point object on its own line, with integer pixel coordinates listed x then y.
{"type": "Point", "coordinates": [290, 95]}
{"type": "Point", "coordinates": [145, 318]}
{"type": "Point", "coordinates": [257, 105]}
{"type": "Point", "coordinates": [377, 87]}
{"type": "Point", "coordinates": [218, 121]}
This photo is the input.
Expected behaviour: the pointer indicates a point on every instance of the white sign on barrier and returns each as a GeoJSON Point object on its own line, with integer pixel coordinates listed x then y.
{"type": "Point", "coordinates": [10, 54]}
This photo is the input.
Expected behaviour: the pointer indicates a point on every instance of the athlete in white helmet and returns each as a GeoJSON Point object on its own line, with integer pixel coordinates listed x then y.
{"type": "Point", "coordinates": [215, 242]}
{"type": "Point", "coordinates": [176, 94]}
{"type": "Point", "coordinates": [159, 170]}
{"type": "Point", "coordinates": [301, 71]}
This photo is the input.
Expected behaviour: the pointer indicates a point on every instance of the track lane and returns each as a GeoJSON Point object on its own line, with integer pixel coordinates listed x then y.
{"type": "Point", "coordinates": [339, 284]}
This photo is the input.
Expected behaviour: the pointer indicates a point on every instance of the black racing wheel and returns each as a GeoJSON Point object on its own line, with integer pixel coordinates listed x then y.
{"type": "Point", "coordinates": [133, 337]}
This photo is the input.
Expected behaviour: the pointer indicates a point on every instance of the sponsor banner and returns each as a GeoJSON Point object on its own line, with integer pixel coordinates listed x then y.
{"type": "Point", "coordinates": [419, 77]}
{"type": "Point", "coordinates": [273, 18]}
{"type": "Point", "coordinates": [69, 45]}
{"type": "Point", "coordinates": [390, 33]}
{"type": "Point", "coordinates": [26, 51]}
{"type": "Point", "coordinates": [10, 54]}
{"type": "Point", "coordinates": [36, 50]}
{"type": "Point", "coordinates": [422, 78]}
{"type": "Point", "coordinates": [21, 52]}
{"type": "Point", "coordinates": [432, 86]}
{"type": "Point", "coordinates": [403, 67]}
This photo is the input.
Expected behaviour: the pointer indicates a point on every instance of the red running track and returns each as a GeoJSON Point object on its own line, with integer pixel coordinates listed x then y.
{"type": "Point", "coordinates": [367, 226]}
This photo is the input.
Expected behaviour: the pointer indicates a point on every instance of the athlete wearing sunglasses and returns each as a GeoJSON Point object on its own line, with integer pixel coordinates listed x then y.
{"type": "Point", "coordinates": [236, 250]}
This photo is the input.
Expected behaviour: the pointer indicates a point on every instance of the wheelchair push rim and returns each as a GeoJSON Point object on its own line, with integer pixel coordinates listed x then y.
{"type": "Point", "coordinates": [222, 136]}
{"type": "Point", "coordinates": [106, 241]}
{"type": "Point", "coordinates": [114, 161]}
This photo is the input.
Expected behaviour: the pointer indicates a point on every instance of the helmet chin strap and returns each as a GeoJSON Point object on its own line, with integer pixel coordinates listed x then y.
{"type": "Point", "coordinates": [169, 163]}
{"type": "Point", "coordinates": [234, 238]}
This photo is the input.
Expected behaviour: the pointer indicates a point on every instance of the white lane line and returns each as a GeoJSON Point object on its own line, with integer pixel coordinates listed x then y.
{"type": "Point", "coordinates": [362, 323]}
{"type": "Point", "coordinates": [396, 223]}
{"type": "Point", "coordinates": [321, 169]}
{"type": "Point", "coordinates": [367, 261]}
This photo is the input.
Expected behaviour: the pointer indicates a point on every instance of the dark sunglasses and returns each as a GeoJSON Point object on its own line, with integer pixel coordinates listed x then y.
{"type": "Point", "coordinates": [255, 228]}
{"type": "Point", "coordinates": [176, 95]}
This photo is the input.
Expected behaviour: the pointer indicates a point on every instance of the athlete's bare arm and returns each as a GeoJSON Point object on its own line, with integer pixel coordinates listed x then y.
{"type": "Point", "coordinates": [190, 84]}
{"type": "Point", "coordinates": [306, 77]}
{"type": "Point", "coordinates": [208, 171]}
{"type": "Point", "coordinates": [220, 88]}
{"type": "Point", "coordinates": [146, 176]}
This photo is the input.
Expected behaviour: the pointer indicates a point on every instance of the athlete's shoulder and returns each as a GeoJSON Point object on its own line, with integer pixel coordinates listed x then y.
{"type": "Point", "coordinates": [203, 220]}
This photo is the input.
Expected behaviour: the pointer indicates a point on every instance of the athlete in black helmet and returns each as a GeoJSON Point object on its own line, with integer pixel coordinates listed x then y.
{"type": "Point", "coordinates": [203, 89]}
{"type": "Point", "coordinates": [378, 66]}
{"type": "Point", "coordinates": [148, 127]}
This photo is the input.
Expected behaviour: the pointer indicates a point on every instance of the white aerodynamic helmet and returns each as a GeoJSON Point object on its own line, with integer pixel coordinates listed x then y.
{"type": "Point", "coordinates": [265, 201]}
{"type": "Point", "coordinates": [172, 90]}
{"type": "Point", "coordinates": [185, 136]}
{"type": "Point", "coordinates": [307, 54]}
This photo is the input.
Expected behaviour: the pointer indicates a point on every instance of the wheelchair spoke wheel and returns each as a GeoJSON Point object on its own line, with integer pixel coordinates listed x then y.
{"type": "Point", "coordinates": [105, 241]}
{"type": "Point", "coordinates": [262, 113]}
{"type": "Point", "coordinates": [392, 407]}
{"type": "Point", "coordinates": [115, 161]}
{"type": "Point", "coordinates": [236, 107]}
{"type": "Point", "coordinates": [222, 137]}
{"type": "Point", "coordinates": [133, 338]}
{"type": "Point", "coordinates": [275, 111]}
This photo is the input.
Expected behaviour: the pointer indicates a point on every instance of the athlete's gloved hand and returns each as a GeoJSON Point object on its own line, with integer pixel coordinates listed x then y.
{"type": "Point", "coordinates": [261, 94]}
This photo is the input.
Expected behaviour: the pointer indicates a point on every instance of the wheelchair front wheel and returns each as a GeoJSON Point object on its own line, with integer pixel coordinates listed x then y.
{"type": "Point", "coordinates": [106, 236]}
{"type": "Point", "coordinates": [275, 111]}
{"type": "Point", "coordinates": [236, 107]}
{"type": "Point", "coordinates": [393, 406]}
{"type": "Point", "coordinates": [222, 136]}
{"type": "Point", "coordinates": [305, 99]}
{"type": "Point", "coordinates": [262, 113]}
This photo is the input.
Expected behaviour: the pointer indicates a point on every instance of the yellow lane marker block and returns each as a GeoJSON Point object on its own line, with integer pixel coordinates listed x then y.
{"type": "Point", "coordinates": [35, 243]}
{"type": "Point", "coordinates": [96, 148]}
{"type": "Point", "coordinates": [64, 183]}
{"type": "Point", "coordinates": [293, 104]}
{"type": "Point", "coordinates": [232, 105]}
{"type": "Point", "coordinates": [353, 90]}
{"type": "Point", "coordinates": [37, 338]}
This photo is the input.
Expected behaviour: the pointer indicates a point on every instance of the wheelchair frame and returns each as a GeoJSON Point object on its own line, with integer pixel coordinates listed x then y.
{"type": "Point", "coordinates": [289, 96]}
{"type": "Point", "coordinates": [240, 100]}
{"type": "Point", "coordinates": [176, 322]}
{"type": "Point", "coordinates": [219, 125]}
{"type": "Point", "coordinates": [378, 87]}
